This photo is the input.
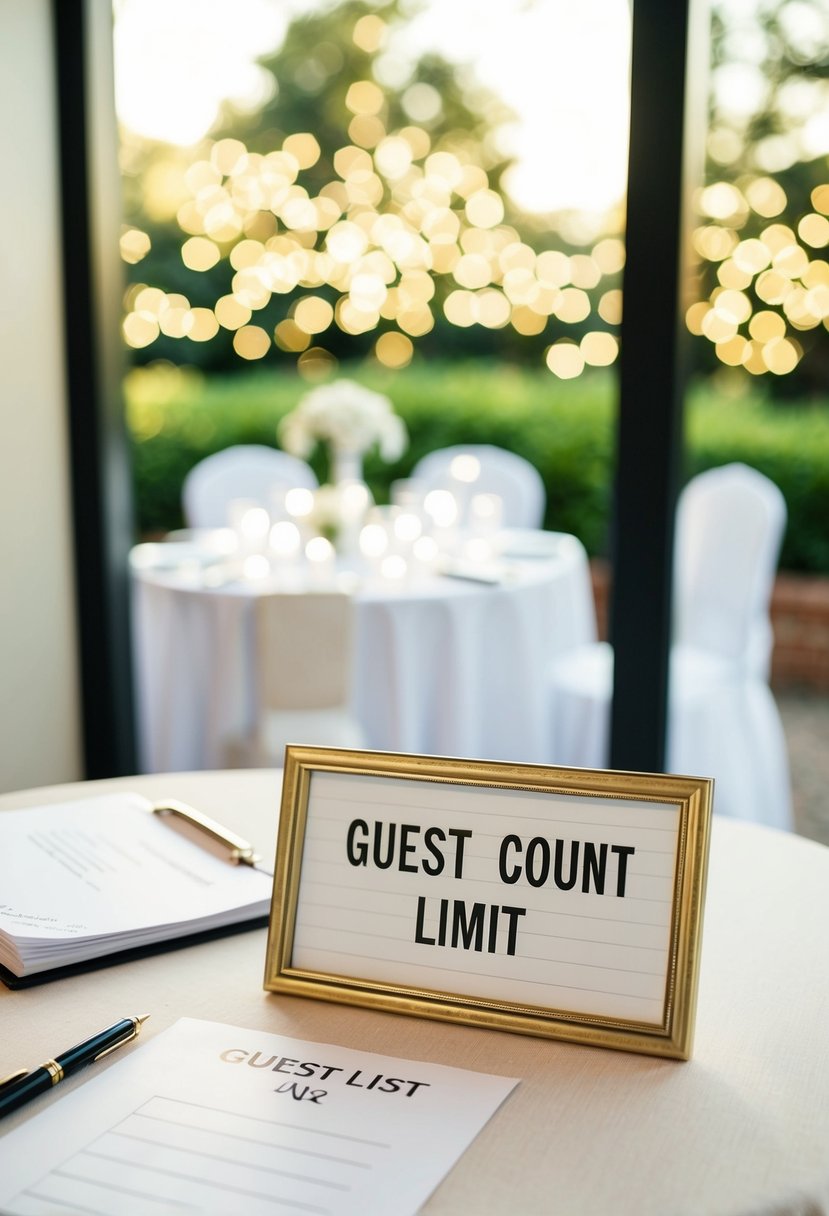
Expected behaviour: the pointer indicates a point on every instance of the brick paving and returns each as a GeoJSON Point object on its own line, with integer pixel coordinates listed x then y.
{"type": "Point", "coordinates": [800, 619]}
{"type": "Point", "coordinates": [806, 724]}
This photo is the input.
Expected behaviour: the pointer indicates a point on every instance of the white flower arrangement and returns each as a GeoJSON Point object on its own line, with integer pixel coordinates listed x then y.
{"type": "Point", "coordinates": [347, 416]}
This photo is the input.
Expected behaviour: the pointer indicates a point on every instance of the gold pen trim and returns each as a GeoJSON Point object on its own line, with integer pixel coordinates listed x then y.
{"type": "Point", "coordinates": [54, 1070]}
{"type": "Point", "coordinates": [12, 1077]}
{"type": "Point", "coordinates": [137, 1023]}
{"type": "Point", "coordinates": [128, 1038]}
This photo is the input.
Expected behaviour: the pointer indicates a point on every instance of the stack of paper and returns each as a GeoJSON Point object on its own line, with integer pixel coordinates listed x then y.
{"type": "Point", "coordinates": [82, 880]}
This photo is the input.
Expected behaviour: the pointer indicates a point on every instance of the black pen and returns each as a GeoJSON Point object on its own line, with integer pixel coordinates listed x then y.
{"type": "Point", "coordinates": [21, 1086]}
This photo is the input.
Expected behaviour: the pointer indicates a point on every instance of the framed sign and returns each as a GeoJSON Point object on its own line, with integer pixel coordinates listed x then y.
{"type": "Point", "coordinates": [549, 901]}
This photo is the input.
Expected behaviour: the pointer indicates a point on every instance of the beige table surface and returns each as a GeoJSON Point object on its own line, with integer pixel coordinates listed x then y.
{"type": "Point", "coordinates": [741, 1128]}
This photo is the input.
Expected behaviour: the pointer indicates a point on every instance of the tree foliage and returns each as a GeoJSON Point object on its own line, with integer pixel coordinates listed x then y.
{"type": "Point", "coordinates": [407, 158]}
{"type": "Point", "coordinates": [427, 274]}
{"type": "Point", "coordinates": [764, 285]}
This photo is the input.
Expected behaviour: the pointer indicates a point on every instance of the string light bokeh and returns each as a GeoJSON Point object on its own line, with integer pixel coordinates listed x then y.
{"type": "Point", "coordinates": [406, 234]}
{"type": "Point", "coordinates": [397, 217]}
{"type": "Point", "coordinates": [770, 287]}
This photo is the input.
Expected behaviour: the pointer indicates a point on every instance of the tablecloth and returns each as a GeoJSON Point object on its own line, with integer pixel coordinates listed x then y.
{"type": "Point", "coordinates": [443, 665]}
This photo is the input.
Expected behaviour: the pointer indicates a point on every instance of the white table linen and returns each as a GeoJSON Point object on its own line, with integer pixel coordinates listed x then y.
{"type": "Point", "coordinates": [442, 666]}
{"type": "Point", "coordinates": [740, 1128]}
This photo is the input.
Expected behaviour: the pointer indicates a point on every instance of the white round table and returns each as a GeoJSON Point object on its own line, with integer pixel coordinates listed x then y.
{"type": "Point", "coordinates": [743, 1127]}
{"type": "Point", "coordinates": [443, 666]}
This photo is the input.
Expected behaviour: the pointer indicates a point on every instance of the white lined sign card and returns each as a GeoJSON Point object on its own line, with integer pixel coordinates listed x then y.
{"type": "Point", "coordinates": [560, 902]}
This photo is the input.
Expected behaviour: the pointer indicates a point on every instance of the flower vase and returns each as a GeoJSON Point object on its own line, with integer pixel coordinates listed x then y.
{"type": "Point", "coordinates": [353, 498]}
{"type": "Point", "coordinates": [346, 465]}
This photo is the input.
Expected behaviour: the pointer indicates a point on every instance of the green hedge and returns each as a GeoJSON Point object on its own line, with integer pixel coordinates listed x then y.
{"type": "Point", "coordinates": [177, 417]}
{"type": "Point", "coordinates": [790, 444]}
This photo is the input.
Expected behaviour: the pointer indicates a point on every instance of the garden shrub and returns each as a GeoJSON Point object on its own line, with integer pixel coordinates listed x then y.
{"type": "Point", "coordinates": [176, 417]}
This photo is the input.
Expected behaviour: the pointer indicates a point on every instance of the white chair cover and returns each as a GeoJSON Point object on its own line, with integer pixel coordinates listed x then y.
{"type": "Point", "coordinates": [305, 646]}
{"type": "Point", "coordinates": [517, 482]}
{"type": "Point", "coordinates": [722, 718]}
{"type": "Point", "coordinates": [730, 525]}
{"type": "Point", "coordinates": [250, 470]}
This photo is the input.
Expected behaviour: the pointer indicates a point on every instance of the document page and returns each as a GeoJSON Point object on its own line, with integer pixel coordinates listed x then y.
{"type": "Point", "coordinates": [215, 1119]}
{"type": "Point", "coordinates": [86, 878]}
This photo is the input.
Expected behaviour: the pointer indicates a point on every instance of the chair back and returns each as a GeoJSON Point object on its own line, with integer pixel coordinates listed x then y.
{"type": "Point", "coordinates": [517, 482]}
{"type": "Point", "coordinates": [730, 524]}
{"type": "Point", "coordinates": [304, 644]}
{"type": "Point", "coordinates": [251, 471]}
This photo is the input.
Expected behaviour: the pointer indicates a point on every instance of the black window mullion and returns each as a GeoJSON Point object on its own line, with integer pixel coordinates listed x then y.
{"type": "Point", "coordinates": [102, 514]}
{"type": "Point", "coordinates": [667, 127]}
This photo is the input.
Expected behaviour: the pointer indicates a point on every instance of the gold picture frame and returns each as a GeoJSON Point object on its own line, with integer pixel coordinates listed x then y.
{"type": "Point", "coordinates": [381, 897]}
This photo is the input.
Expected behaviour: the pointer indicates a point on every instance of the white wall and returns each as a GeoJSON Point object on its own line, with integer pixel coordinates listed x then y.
{"type": "Point", "coordinates": [39, 695]}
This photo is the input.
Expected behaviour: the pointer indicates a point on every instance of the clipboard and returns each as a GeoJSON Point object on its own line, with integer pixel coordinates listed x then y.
{"type": "Point", "coordinates": [197, 828]}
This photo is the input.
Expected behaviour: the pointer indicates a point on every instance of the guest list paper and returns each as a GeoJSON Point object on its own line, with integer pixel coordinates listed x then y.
{"type": "Point", "coordinates": [209, 1118]}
